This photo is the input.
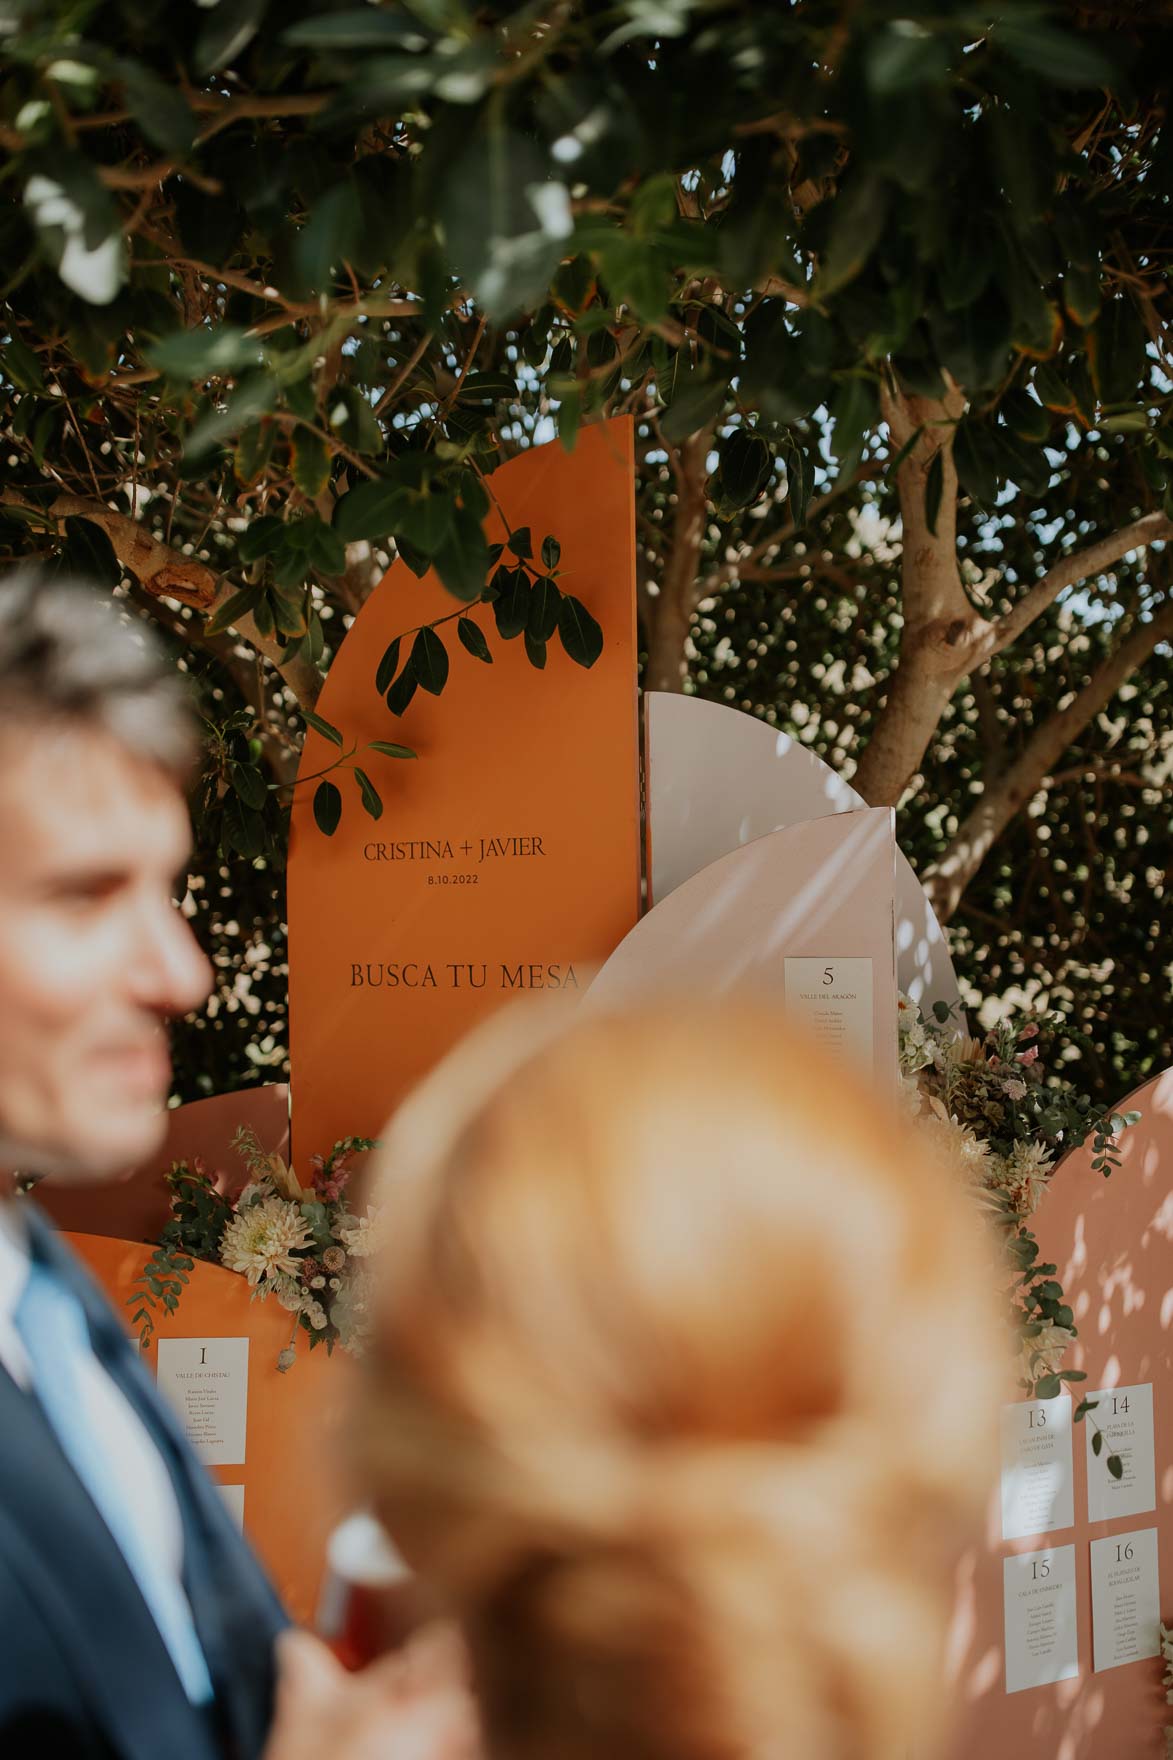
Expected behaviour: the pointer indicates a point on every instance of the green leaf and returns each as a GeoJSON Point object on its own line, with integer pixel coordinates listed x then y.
{"type": "Point", "coordinates": [1115, 1466]}
{"type": "Point", "coordinates": [798, 479]}
{"type": "Point", "coordinates": [249, 785]}
{"type": "Point", "coordinates": [403, 690]}
{"type": "Point", "coordinates": [330, 237]}
{"type": "Point", "coordinates": [21, 366]}
{"type": "Point", "coordinates": [88, 554]}
{"type": "Point", "coordinates": [244, 829]}
{"type": "Point", "coordinates": [233, 608]}
{"type": "Point", "coordinates": [368, 512]}
{"type": "Point", "coordinates": [536, 651]}
{"type": "Point", "coordinates": [389, 749]}
{"type": "Point", "coordinates": [569, 417]}
{"type": "Point", "coordinates": [311, 462]}
{"type": "Point", "coordinates": [254, 450]}
{"type": "Point", "coordinates": [1097, 1442]}
{"type": "Point", "coordinates": [580, 634]}
{"type": "Point", "coordinates": [472, 637]}
{"type": "Point", "coordinates": [429, 661]}
{"type": "Point", "coordinates": [551, 552]}
{"type": "Point", "coordinates": [263, 537]}
{"type": "Point", "coordinates": [426, 518]}
{"type": "Point", "coordinates": [1048, 1387]}
{"type": "Point", "coordinates": [206, 352]}
{"type": "Point", "coordinates": [327, 552]}
{"type": "Point", "coordinates": [857, 221]}
{"type": "Point", "coordinates": [254, 396]}
{"type": "Point", "coordinates": [462, 560]}
{"type": "Point", "coordinates": [474, 496]}
{"type": "Point", "coordinates": [521, 543]}
{"type": "Point", "coordinates": [976, 462]}
{"type": "Point", "coordinates": [506, 222]}
{"type": "Point", "coordinates": [371, 799]}
{"type": "Point", "coordinates": [159, 108]}
{"type": "Point", "coordinates": [289, 612]}
{"type": "Point", "coordinates": [542, 618]}
{"type": "Point", "coordinates": [511, 606]}
{"type": "Point", "coordinates": [327, 807]}
{"type": "Point", "coordinates": [854, 409]}
{"type": "Point", "coordinates": [934, 485]}
{"type": "Point", "coordinates": [325, 728]}
{"type": "Point", "coordinates": [388, 667]}
{"type": "Point", "coordinates": [360, 27]}
{"type": "Point", "coordinates": [1061, 57]}
{"type": "Point", "coordinates": [1025, 417]}
{"type": "Point", "coordinates": [697, 400]}
{"type": "Point", "coordinates": [228, 30]}
{"type": "Point", "coordinates": [1072, 1375]}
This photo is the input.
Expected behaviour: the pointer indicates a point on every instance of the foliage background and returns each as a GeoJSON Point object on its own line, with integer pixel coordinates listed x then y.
{"type": "Point", "coordinates": [885, 287]}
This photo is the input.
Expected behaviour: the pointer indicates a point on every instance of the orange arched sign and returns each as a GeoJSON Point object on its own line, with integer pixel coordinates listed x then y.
{"type": "Point", "coordinates": [506, 858]}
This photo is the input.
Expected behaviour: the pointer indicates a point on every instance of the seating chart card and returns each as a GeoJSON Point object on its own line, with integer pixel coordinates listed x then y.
{"type": "Point", "coordinates": [1126, 1609]}
{"type": "Point", "coordinates": [832, 999]}
{"type": "Point", "coordinates": [1037, 1481]}
{"type": "Point", "coordinates": [1038, 1590]}
{"type": "Point", "coordinates": [1124, 1416]}
{"type": "Point", "coordinates": [206, 1381]}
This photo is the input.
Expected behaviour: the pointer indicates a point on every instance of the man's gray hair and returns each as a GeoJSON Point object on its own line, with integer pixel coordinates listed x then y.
{"type": "Point", "coordinates": [68, 656]}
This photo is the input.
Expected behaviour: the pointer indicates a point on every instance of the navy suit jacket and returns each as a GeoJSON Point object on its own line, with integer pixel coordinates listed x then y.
{"type": "Point", "coordinates": [83, 1670]}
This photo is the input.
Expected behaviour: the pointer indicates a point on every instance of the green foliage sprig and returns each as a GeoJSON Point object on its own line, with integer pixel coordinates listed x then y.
{"type": "Point", "coordinates": [997, 1110]}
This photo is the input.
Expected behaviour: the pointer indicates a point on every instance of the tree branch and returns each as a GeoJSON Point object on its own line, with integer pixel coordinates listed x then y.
{"type": "Point", "coordinates": [1072, 569]}
{"type": "Point", "coordinates": [157, 568]}
{"type": "Point", "coordinates": [164, 573]}
{"type": "Point", "coordinates": [946, 881]}
{"type": "Point", "coordinates": [670, 612]}
{"type": "Point", "coordinates": [940, 625]}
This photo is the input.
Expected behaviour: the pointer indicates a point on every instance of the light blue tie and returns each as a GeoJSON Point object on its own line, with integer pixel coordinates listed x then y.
{"type": "Point", "coordinates": [53, 1329]}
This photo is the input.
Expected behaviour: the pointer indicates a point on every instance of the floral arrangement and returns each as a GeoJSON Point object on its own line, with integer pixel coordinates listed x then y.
{"type": "Point", "coordinates": [991, 1105]}
{"type": "Point", "coordinates": [301, 1244]}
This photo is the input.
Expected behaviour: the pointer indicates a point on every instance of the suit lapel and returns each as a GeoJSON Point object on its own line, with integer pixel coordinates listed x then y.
{"type": "Point", "coordinates": [71, 1568]}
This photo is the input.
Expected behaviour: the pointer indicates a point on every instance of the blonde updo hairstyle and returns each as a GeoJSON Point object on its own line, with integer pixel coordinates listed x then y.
{"type": "Point", "coordinates": [682, 1391]}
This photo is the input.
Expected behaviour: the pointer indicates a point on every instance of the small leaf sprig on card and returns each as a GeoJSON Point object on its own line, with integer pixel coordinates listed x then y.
{"type": "Point", "coordinates": [301, 1244]}
{"type": "Point", "coordinates": [992, 1108]}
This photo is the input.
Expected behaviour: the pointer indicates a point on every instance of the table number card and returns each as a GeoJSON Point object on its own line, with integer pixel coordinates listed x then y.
{"type": "Point", "coordinates": [1038, 1492]}
{"type": "Point", "coordinates": [1125, 1417]}
{"type": "Point", "coordinates": [832, 999]}
{"type": "Point", "coordinates": [206, 1381]}
{"type": "Point", "coordinates": [1038, 1591]}
{"type": "Point", "coordinates": [1126, 1609]}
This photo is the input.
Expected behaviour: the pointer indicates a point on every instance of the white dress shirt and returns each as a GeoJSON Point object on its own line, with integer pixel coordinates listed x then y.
{"type": "Point", "coordinates": [124, 1437]}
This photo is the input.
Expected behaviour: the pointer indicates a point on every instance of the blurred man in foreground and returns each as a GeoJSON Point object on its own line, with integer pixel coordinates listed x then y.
{"type": "Point", "coordinates": [136, 1622]}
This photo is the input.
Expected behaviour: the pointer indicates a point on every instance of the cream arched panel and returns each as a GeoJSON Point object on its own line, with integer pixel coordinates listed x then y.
{"type": "Point", "coordinates": [822, 890]}
{"type": "Point", "coordinates": [717, 778]}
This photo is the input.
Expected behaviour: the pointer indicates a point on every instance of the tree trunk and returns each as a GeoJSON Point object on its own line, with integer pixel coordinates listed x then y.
{"type": "Point", "coordinates": [669, 614]}
{"type": "Point", "coordinates": [940, 625]}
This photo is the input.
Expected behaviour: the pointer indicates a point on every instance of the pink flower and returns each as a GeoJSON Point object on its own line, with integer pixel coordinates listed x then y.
{"type": "Point", "coordinates": [1030, 1032]}
{"type": "Point", "coordinates": [1030, 1056]}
